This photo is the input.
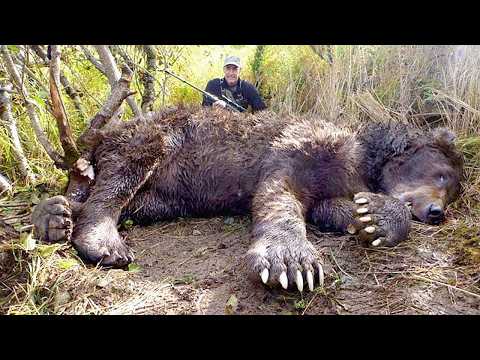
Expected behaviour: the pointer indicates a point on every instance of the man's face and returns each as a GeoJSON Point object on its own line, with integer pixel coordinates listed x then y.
{"type": "Point", "coordinates": [231, 74]}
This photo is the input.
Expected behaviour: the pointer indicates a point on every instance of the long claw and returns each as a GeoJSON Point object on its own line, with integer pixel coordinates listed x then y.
{"type": "Point", "coordinates": [351, 229]}
{"type": "Point", "coordinates": [362, 211]}
{"type": "Point", "coordinates": [310, 280]}
{"type": "Point", "coordinates": [321, 275]}
{"type": "Point", "coordinates": [264, 275]}
{"type": "Point", "coordinates": [104, 251]}
{"type": "Point", "coordinates": [361, 201]}
{"type": "Point", "coordinates": [365, 219]}
{"type": "Point", "coordinates": [376, 242]}
{"type": "Point", "coordinates": [370, 229]}
{"type": "Point", "coordinates": [299, 281]}
{"type": "Point", "coordinates": [283, 280]}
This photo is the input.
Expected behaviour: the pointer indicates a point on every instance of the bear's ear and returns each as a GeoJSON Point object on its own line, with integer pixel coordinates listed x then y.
{"type": "Point", "coordinates": [443, 137]}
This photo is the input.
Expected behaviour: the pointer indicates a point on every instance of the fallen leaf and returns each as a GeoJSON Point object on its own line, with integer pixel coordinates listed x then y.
{"type": "Point", "coordinates": [134, 267]}
{"type": "Point", "coordinates": [232, 305]}
{"type": "Point", "coordinates": [27, 241]}
{"type": "Point", "coordinates": [66, 264]}
{"type": "Point", "coordinates": [47, 250]}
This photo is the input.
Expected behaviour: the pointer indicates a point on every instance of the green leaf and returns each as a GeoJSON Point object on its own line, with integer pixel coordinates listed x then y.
{"type": "Point", "coordinates": [27, 241]}
{"type": "Point", "coordinates": [13, 49]}
{"type": "Point", "coordinates": [43, 94]}
{"type": "Point", "coordinates": [128, 224]}
{"type": "Point", "coordinates": [38, 101]}
{"type": "Point", "coordinates": [300, 304]}
{"type": "Point", "coordinates": [66, 264]}
{"type": "Point", "coordinates": [134, 267]}
{"type": "Point", "coordinates": [47, 250]}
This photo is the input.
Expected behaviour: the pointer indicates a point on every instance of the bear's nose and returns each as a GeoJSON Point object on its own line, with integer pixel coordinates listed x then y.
{"type": "Point", "coordinates": [435, 214]}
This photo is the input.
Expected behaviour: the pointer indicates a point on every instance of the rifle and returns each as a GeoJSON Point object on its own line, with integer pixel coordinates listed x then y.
{"type": "Point", "coordinates": [232, 105]}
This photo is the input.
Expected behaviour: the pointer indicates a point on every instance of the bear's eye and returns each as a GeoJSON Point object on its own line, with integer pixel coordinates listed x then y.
{"type": "Point", "coordinates": [442, 179]}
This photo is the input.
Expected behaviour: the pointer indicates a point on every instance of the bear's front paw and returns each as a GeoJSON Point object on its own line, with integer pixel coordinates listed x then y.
{"type": "Point", "coordinates": [286, 263]}
{"type": "Point", "coordinates": [102, 245]}
{"type": "Point", "coordinates": [52, 219]}
{"type": "Point", "coordinates": [383, 220]}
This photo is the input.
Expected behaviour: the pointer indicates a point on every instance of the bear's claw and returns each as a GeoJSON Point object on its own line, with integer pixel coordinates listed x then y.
{"type": "Point", "coordinates": [384, 222]}
{"type": "Point", "coordinates": [376, 242]}
{"type": "Point", "coordinates": [283, 280]}
{"type": "Point", "coordinates": [310, 280]}
{"type": "Point", "coordinates": [286, 264]}
{"type": "Point", "coordinates": [264, 276]}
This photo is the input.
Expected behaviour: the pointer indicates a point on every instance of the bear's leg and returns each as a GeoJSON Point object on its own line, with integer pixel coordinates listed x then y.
{"type": "Point", "coordinates": [280, 252]}
{"type": "Point", "coordinates": [95, 234]}
{"type": "Point", "coordinates": [335, 215]}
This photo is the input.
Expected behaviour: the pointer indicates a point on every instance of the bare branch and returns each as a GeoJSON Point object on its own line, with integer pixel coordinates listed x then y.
{"type": "Point", "coordinates": [37, 49]}
{"type": "Point", "coordinates": [30, 105]}
{"type": "Point", "coordinates": [20, 61]}
{"type": "Point", "coordinates": [66, 138]}
{"type": "Point", "coordinates": [120, 91]}
{"type": "Point", "coordinates": [124, 56]}
{"type": "Point", "coordinates": [11, 125]}
{"type": "Point", "coordinates": [149, 79]}
{"type": "Point", "coordinates": [112, 73]}
{"type": "Point", "coordinates": [69, 89]}
{"type": "Point", "coordinates": [92, 59]}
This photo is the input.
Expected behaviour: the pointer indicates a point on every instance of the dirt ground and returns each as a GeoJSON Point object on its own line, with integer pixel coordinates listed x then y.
{"type": "Point", "coordinates": [195, 266]}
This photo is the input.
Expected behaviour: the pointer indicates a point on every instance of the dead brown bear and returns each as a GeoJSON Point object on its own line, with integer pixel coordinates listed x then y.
{"type": "Point", "coordinates": [285, 170]}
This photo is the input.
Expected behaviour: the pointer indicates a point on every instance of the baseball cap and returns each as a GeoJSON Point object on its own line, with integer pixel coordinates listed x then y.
{"type": "Point", "coordinates": [232, 60]}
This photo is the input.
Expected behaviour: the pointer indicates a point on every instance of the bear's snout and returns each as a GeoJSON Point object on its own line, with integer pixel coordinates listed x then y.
{"type": "Point", "coordinates": [435, 214]}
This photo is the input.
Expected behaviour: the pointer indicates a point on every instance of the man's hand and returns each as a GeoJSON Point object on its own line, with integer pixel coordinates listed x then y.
{"type": "Point", "coordinates": [220, 103]}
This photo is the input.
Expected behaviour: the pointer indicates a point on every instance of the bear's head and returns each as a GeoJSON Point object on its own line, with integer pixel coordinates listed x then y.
{"type": "Point", "coordinates": [426, 175]}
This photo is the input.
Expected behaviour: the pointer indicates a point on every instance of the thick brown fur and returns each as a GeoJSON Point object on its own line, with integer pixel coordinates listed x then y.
{"type": "Point", "coordinates": [284, 170]}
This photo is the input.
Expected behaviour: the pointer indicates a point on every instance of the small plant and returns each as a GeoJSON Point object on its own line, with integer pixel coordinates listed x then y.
{"type": "Point", "coordinates": [300, 304]}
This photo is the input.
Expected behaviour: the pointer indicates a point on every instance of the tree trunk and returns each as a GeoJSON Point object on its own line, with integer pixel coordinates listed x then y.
{"type": "Point", "coordinates": [149, 79]}
{"type": "Point", "coordinates": [11, 125]}
{"type": "Point", "coordinates": [29, 104]}
{"type": "Point", "coordinates": [112, 73]}
{"type": "Point", "coordinates": [66, 138]}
